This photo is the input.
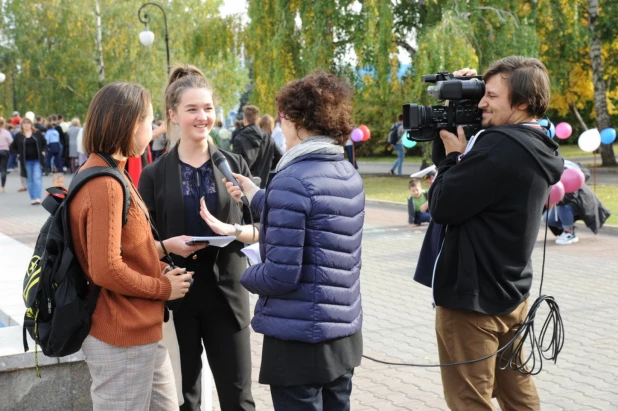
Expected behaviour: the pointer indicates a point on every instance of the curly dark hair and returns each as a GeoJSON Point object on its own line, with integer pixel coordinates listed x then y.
{"type": "Point", "coordinates": [320, 103]}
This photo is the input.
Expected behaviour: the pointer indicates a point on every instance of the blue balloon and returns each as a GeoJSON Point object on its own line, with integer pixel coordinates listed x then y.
{"type": "Point", "coordinates": [407, 142]}
{"type": "Point", "coordinates": [549, 127]}
{"type": "Point", "coordinates": [552, 130]}
{"type": "Point", "coordinates": [608, 136]}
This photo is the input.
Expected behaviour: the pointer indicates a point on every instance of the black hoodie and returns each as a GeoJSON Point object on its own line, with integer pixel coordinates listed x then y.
{"type": "Point", "coordinates": [247, 143]}
{"type": "Point", "coordinates": [491, 200]}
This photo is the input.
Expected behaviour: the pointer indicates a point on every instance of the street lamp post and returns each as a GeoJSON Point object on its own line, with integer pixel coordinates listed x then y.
{"type": "Point", "coordinates": [146, 37]}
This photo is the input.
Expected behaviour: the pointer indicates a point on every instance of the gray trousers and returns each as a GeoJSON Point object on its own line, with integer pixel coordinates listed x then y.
{"type": "Point", "coordinates": [135, 378]}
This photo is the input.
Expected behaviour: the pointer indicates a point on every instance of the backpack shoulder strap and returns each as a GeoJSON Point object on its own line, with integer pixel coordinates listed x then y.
{"type": "Point", "coordinates": [88, 174]}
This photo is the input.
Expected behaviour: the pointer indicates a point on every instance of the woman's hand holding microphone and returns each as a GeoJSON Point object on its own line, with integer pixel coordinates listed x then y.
{"type": "Point", "coordinates": [180, 280]}
{"type": "Point", "coordinates": [248, 188]}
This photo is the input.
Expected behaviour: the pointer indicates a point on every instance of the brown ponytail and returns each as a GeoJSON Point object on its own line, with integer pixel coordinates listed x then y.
{"type": "Point", "coordinates": [182, 78]}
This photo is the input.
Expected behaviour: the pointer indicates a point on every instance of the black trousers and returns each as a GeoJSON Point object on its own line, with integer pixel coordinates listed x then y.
{"type": "Point", "coordinates": [209, 320]}
{"type": "Point", "coordinates": [4, 159]}
{"type": "Point", "coordinates": [333, 396]}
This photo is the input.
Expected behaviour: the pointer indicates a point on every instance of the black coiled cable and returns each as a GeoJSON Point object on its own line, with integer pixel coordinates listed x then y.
{"type": "Point", "coordinates": [511, 354]}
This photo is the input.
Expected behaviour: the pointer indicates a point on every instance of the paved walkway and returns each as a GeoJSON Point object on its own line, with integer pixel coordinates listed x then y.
{"type": "Point", "coordinates": [399, 319]}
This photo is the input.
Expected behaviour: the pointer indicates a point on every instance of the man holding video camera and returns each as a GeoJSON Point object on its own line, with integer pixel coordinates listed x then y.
{"type": "Point", "coordinates": [489, 194]}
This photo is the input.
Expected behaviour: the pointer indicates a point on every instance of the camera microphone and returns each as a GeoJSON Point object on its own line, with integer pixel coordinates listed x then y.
{"type": "Point", "coordinates": [224, 167]}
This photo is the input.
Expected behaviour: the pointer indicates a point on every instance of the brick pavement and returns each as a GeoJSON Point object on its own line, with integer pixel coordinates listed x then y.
{"type": "Point", "coordinates": [398, 317]}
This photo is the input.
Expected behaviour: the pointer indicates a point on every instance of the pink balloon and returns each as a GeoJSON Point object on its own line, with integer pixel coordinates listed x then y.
{"type": "Point", "coordinates": [572, 179]}
{"type": "Point", "coordinates": [366, 132]}
{"type": "Point", "coordinates": [556, 194]}
{"type": "Point", "coordinates": [357, 135]}
{"type": "Point", "coordinates": [563, 130]}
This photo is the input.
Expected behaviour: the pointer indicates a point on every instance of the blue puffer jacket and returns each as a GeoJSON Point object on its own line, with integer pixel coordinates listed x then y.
{"type": "Point", "coordinates": [312, 218]}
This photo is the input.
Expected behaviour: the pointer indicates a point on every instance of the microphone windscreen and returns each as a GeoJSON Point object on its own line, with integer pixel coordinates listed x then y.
{"type": "Point", "coordinates": [217, 158]}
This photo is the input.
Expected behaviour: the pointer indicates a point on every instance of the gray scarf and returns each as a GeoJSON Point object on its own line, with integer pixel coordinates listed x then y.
{"type": "Point", "coordinates": [313, 144]}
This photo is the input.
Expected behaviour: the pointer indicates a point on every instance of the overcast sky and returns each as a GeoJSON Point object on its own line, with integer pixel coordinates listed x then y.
{"type": "Point", "coordinates": [233, 7]}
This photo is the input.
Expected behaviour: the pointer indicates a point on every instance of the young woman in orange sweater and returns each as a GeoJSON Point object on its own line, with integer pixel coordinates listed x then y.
{"type": "Point", "coordinates": [129, 365]}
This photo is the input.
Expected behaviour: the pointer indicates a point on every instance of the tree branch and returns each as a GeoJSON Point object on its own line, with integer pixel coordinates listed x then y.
{"type": "Point", "coordinates": [404, 45]}
{"type": "Point", "coordinates": [502, 14]}
{"type": "Point", "coordinates": [71, 89]}
{"type": "Point", "coordinates": [579, 118]}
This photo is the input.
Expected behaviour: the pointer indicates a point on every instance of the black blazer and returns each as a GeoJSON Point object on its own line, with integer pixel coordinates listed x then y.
{"type": "Point", "coordinates": [160, 185]}
{"type": "Point", "coordinates": [19, 146]}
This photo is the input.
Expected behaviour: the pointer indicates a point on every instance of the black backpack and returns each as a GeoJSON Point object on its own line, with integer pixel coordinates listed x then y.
{"type": "Point", "coordinates": [59, 309]}
{"type": "Point", "coordinates": [393, 135]}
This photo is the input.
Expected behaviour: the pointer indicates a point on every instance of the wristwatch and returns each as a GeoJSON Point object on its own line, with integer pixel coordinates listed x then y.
{"type": "Point", "coordinates": [238, 229]}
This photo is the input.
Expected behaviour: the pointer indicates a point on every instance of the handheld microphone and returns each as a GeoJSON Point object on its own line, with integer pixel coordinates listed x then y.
{"type": "Point", "coordinates": [224, 167]}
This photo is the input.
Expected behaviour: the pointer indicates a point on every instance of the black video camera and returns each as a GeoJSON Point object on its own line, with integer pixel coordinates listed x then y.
{"type": "Point", "coordinates": [463, 93]}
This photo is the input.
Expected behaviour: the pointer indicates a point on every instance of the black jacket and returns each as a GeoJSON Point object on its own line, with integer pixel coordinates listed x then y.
{"type": "Point", "coordinates": [19, 146]}
{"type": "Point", "coordinates": [160, 185]}
{"type": "Point", "coordinates": [587, 207]}
{"type": "Point", "coordinates": [268, 159]}
{"type": "Point", "coordinates": [491, 200]}
{"type": "Point", "coordinates": [247, 144]}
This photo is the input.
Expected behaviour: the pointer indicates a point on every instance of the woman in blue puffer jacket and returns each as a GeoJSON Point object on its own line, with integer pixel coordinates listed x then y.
{"type": "Point", "coordinates": [312, 215]}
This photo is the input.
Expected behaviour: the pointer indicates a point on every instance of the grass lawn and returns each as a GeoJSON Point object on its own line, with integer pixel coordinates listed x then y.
{"type": "Point", "coordinates": [567, 151]}
{"type": "Point", "coordinates": [389, 159]}
{"type": "Point", "coordinates": [573, 150]}
{"type": "Point", "coordinates": [395, 188]}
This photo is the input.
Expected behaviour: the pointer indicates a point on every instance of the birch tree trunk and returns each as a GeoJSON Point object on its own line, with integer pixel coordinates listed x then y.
{"type": "Point", "coordinates": [99, 43]}
{"type": "Point", "coordinates": [600, 96]}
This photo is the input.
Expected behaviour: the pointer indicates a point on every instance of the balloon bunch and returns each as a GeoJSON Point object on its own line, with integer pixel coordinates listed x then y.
{"type": "Point", "coordinates": [572, 179]}
{"type": "Point", "coordinates": [361, 133]}
{"type": "Point", "coordinates": [589, 140]}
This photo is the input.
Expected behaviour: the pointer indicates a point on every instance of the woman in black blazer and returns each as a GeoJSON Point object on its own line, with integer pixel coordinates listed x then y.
{"type": "Point", "coordinates": [215, 312]}
{"type": "Point", "coordinates": [30, 146]}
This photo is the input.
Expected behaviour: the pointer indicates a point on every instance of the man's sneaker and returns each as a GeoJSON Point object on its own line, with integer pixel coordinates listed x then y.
{"type": "Point", "coordinates": [566, 238]}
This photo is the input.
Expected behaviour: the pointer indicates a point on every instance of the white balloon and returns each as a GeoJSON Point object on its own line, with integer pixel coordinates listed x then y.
{"type": "Point", "coordinates": [589, 140]}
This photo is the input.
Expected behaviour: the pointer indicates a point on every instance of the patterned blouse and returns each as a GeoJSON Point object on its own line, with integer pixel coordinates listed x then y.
{"type": "Point", "coordinates": [197, 183]}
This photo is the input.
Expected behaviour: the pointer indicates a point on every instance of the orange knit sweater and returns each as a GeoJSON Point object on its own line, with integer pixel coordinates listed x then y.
{"type": "Point", "coordinates": [129, 310]}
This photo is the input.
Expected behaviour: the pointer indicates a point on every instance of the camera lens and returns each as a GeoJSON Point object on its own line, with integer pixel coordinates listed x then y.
{"type": "Point", "coordinates": [473, 89]}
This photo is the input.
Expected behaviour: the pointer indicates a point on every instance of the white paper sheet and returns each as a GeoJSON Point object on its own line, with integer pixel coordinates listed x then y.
{"type": "Point", "coordinates": [253, 253]}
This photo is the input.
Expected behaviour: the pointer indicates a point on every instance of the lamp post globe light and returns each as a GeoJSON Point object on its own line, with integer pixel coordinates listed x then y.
{"type": "Point", "coordinates": [146, 37]}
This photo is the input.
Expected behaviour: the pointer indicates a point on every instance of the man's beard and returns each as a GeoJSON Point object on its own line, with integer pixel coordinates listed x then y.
{"type": "Point", "coordinates": [487, 124]}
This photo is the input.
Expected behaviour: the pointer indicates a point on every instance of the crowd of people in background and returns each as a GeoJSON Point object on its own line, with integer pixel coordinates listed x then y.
{"type": "Point", "coordinates": [37, 146]}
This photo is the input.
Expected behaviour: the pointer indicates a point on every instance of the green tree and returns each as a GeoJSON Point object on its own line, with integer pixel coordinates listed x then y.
{"type": "Point", "coordinates": [261, 53]}
{"type": "Point", "coordinates": [58, 61]}
{"type": "Point", "coordinates": [600, 94]}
